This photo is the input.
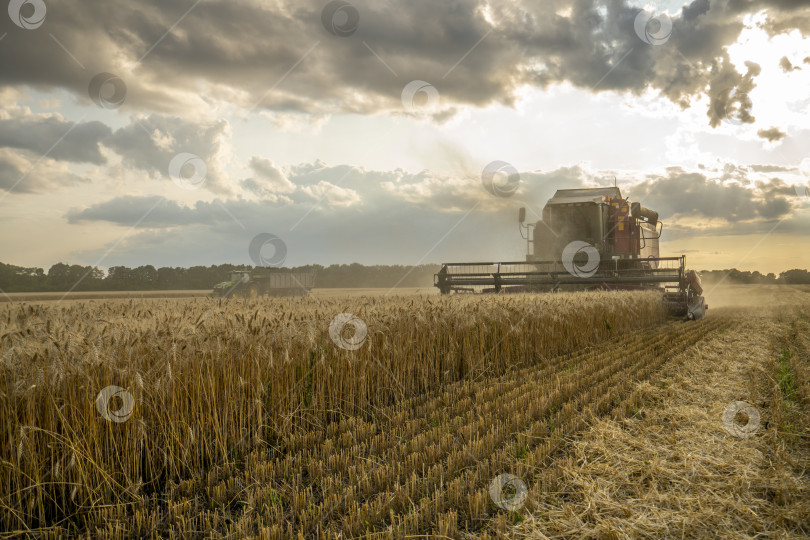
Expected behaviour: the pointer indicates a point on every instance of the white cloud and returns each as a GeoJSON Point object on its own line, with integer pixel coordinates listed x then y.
{"type": "Point", "coordinates": [268, 179]}
{"type": "Point", "coordinates": [332, 195]}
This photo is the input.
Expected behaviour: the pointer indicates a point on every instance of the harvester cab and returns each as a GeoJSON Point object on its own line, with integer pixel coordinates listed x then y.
{"type": "Point", "coordinates": [234, 285]}
{"type": "Point", "coordinates": [586, 239]}
{"type": "Point", "coordinates": [601, 218]}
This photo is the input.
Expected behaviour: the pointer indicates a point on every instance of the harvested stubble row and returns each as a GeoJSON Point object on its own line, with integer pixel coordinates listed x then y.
{"type": "Point", "coordinates": [230, 392]}
{"type": "Point", "coordinates": [786, 391]}
{"type": "Point", "coordinates": [441, 475]}
{"type": "Point", "coordinates": [798, 342]}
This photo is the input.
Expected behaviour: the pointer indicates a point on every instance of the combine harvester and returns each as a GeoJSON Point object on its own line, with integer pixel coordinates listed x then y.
{"type": "Point", "coordinates": [587, 239]}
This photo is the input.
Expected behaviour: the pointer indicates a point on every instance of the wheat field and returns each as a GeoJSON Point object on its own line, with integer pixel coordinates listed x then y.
{"type": "Point", "coordinates": [313, 417]}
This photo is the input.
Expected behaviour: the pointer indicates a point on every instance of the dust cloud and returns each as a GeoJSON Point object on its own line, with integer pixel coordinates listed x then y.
{"type": "Point", "coordinates": [723, 295]}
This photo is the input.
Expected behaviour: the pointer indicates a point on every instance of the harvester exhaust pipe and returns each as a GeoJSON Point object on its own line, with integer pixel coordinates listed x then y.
{"type": "Point", "coordinates": [637, 211]}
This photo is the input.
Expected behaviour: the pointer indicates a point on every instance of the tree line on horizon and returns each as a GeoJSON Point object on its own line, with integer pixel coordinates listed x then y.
{"type": "Point", "coordinates": [63, 277]}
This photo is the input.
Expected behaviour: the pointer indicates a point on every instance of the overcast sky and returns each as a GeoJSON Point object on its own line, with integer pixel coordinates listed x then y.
{"type": "Point", "coordinates": [172, 133]}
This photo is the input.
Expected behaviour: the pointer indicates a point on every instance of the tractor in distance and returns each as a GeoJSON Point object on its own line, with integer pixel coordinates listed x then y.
{"type": "Point", "coordinates": [261, 282]}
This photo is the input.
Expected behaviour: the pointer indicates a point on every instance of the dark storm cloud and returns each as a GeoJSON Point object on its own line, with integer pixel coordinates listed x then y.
{"type": "Point", "coordinates": [691, 194]}
{"type": "Point", "coordinates": [147, 143]}
{"type": "Point", "coordinates": [40, 135]}
{"type": "Point", "coordinates": [772, 134]}
{"type": "Point", "coordinates": [282, 58]}
{"type": "Point", "coordinates": [787, 15]}
{"type": "Point", "coordinates": [729, 94]}
{"type": "Point", "coordinates": [150, 143]}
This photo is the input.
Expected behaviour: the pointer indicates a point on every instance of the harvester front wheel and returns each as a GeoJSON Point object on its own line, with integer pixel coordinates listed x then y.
{"type": "Point", "coordinates": [253, 291]}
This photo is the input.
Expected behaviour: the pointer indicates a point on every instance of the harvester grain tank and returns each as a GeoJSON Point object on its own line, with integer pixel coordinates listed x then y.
{"type": "Point", "coordinates": [589, 238]}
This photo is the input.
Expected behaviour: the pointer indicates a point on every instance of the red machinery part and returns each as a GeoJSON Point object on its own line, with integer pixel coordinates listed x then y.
{"type": "Point", "coordinates": [623, 228]}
